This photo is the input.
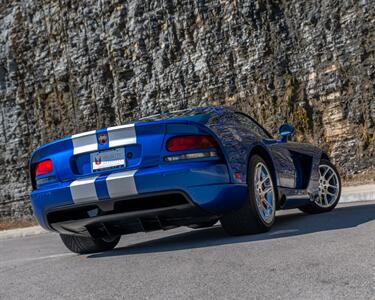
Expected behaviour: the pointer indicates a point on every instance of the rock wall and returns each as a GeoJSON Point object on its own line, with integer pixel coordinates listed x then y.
{"type": "Point", "coordinates": [69, 66]}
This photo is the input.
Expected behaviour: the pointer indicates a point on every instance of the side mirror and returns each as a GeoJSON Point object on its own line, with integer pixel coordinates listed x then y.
{"type": "Point", "coordinates": [285, 131]}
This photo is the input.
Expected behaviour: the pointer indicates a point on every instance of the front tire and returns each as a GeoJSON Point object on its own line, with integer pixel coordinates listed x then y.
{"type": "Point", "coordinates": [257, 214]}
{"type": "Point", "coordinates": [329, 189]}
{"type": "Point", "coordinates": [84, 245]}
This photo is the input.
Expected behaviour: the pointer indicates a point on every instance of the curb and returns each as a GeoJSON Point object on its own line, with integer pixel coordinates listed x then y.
{"type": "Point", "coordinates": [349, 194]}
{"type": "Point", "coordinates": [358, 193]}
{"type": "Point", "coordinates": [21, 232]}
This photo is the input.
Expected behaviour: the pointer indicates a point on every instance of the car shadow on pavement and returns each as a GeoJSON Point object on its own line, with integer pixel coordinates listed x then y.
{"type": "Point", "coordinates": [286, 225]}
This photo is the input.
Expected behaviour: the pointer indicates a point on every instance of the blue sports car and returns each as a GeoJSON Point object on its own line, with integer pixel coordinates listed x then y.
{"type": "Point", "coordinates": [185, 168]}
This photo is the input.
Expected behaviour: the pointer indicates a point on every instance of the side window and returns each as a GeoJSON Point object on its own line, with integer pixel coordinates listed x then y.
{"type": "Point", "coordinates": [250, 124]}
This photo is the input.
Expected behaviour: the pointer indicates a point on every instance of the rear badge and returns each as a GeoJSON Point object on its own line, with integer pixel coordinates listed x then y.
{"type": "Point", "coordinates": [98, 160]}
{"type": "Point", "coordinates": [102, 138]}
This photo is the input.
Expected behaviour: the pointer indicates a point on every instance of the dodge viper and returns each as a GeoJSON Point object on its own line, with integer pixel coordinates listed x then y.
{"type": "Point", "coordinates": [191, 167]}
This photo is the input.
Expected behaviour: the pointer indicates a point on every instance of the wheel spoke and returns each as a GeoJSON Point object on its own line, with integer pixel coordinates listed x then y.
{"type": "Point", "coordinates": [328, 186]}
{"type": "Point", "coordinates": [331, 194]}
{"type": "Point", "coordinates": [325, 173]}
{"type": "Point", "coordinates": [264, 192]}
{"type": "Point", "coordinates": [332, 186]}
{"type": "Point", "coordinates": [263, 171]}
{"type": "Point", "coordinates": [264, 180]}
{"type": "Point", "coordinates": [330, 177]}
{"type": "Point", "coordinates": [267, 190]}
{"type": "Point", "coordinates": [267, 204]}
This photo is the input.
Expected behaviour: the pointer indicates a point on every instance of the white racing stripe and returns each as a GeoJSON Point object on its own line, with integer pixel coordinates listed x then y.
{"type": "Point", "coordinates": [121, 184]}
{"type": "Point", "coordinates": [84, 142]}
{"type": "Point", "coordinates": [83, 190]}
{"type": "Point", "coordinates": [117, 136]}
{"type": "Point", "coordinates": [122, 135]}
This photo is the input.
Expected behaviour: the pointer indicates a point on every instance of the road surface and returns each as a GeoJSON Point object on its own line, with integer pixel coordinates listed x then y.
{"type": "Point", "coordinates": [327, 256]}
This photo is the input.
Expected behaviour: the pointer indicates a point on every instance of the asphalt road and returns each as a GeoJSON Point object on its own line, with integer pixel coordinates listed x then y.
{"type": "Point", "coordinates": [328, 256]}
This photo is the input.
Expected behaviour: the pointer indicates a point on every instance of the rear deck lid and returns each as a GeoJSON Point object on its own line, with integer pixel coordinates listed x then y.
{"type": "Point", "coordinates": [101, 151]}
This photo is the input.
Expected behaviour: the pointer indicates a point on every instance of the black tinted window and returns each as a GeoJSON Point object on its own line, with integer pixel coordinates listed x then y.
{"type": "Point", "coordinates": [252, 125]}
{"type": "Point", "coordinates": [191, 112]}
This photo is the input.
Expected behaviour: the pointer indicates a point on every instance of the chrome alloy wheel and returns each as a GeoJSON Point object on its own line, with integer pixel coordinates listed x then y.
{"type": "Point", "coordinates": [329, 186]}
{"type": "Point", "coordinates": [264, 193]}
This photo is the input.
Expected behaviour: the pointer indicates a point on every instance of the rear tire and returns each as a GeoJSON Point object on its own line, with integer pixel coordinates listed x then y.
{"type": "Point", "coordinates": [251, 217]}
{"type": "Point", "coordinates": [328, 186]}
{"type": "Point", "coordinates": [84, 245]}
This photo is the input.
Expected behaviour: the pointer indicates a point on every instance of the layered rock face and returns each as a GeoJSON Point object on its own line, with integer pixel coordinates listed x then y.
{"type": "Point", "coordinates": [70, 66]}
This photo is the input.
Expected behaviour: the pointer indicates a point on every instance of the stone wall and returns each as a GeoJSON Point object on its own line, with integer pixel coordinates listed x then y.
{"type": "Point", "coordinates": [69, 66]}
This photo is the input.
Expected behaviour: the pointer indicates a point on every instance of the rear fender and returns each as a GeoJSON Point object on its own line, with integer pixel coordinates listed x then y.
{"type": "Point", "coordinates": [262, 151]}
{"type": "Point", "coordinates": [175, 128]}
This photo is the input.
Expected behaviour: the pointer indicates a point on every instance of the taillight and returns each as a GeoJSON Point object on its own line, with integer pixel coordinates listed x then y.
{"type": "Point", "coordinates": [44, 167]}
{"type": "Point", "coordinates": [190, 142]}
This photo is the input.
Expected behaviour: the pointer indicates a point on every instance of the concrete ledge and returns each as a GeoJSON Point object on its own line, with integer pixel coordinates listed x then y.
{"type": "Point", "coordinates": [21, 232]}
{"type": "Point", "coordinates": [358, 193]}
{"type": "Point", "coordinates": [349, 194]}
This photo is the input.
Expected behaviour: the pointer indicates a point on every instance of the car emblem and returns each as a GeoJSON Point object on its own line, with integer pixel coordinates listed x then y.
{"type": "Point", "coordinates": [98, 160]}
{"type": "Point", "coordinates": [102, 138]}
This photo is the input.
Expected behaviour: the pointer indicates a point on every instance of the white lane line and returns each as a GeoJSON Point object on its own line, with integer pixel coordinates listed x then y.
{"type": "Point", "coordinates": [25, 260]}
{"type": "Point", "coordinates": [283, 231]}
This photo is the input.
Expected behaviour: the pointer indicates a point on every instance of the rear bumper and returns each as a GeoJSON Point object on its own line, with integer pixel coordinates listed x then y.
{"type": "Point", "coordinates": [204, 186]}
{"type": "Point", "coordinates": [159, 211]}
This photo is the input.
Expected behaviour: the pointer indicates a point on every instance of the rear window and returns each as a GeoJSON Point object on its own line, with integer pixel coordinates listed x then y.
{"type": "Point", "coordinates": [193, 114]}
